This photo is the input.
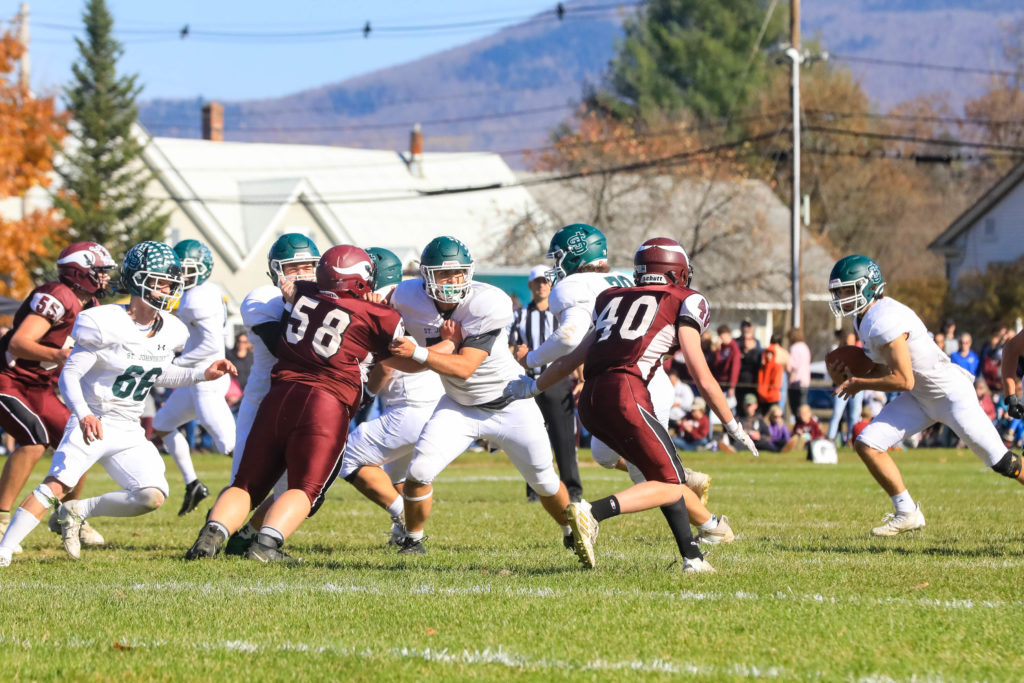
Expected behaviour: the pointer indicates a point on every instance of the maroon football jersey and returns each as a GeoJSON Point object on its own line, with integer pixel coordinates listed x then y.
{"type": "Point", "coordinates": [636, 326]}
{"type": "Point", "coordinates": [56, 302]}
{"type": "Point", "coordinates": [327, 338]}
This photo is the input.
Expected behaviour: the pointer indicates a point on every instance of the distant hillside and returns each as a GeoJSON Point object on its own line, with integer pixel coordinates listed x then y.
{"type": "Point", "coordinates": [467, 97]}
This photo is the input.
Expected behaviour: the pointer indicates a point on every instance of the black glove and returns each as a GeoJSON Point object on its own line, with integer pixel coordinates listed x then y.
{"type": "Point", "coordinates": [1014, 407]}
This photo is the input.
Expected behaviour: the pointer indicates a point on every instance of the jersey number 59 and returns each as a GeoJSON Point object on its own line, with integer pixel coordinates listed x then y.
{"type": "Point", "coordinates": [327, 338]}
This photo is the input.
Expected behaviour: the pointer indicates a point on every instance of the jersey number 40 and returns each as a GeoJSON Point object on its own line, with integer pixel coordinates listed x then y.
{"type": "Point", "coordinates": [633, 324]}
{"type": "Point", "coordinates": [327, 337]}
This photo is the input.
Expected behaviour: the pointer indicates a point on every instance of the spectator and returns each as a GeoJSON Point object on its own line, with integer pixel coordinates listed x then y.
{"type": "Point", "coordinates": [241, 355]}
{"type": "Point", "coordinates": [725, 364]}
{"type": "Point", "coordinates": [805, 429]}
{"type": "Point", "coordinates": [991, 358]}
{"type": "Point", "coordinates": [769, 376]}
{"type": "Point", "coordinates": [778, 432]}
{"type": "Point", "coordinates": [754, 424]}
{"type": "Point", "coordinates": [965, 356]}
{"type": "Point", "coordinates": [799, 369]}
{"type": "Point", "coordinates": [940, 340]}
{"type": "Point", "coordinates": [850, 409]}
{"type": "Point", "coordinates": [682, 401]}
{"type": "Point", "coordinates": [981, 390]}
{"type": "Point", "coordinates": [949, 334]}
{"type": "Point", "coordinates": [865, 420]}
{"type": "Point", "coordinates": [750, 362]}
{"type": "Point", "coordinates": [695, 428]}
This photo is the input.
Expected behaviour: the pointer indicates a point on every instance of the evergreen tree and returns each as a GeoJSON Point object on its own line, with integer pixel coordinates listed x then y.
{"type": "Point", "coordinates": [104, 177]}
{"type": "Point", "coordinates": [691, 55]}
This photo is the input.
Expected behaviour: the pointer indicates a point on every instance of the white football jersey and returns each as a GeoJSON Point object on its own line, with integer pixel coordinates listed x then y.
{"type": "Point", "coordinates": [203, 310]}
{"type": "Point", "coordinates": [935, 375]}
{"type": "Point", "coordinates": [128, 361]}
{"type": "Point", "coordinates": [262, 305]}
{"type": "Point", "coordinates": [485, 309]}
{"type": "Point", "coordinates": [580, 290]}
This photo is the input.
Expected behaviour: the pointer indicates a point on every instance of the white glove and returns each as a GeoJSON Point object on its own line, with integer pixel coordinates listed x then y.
{"type": "Point", "coordinates": [524, 387]}
{"type": "Point", "coordinates": [738, 434]}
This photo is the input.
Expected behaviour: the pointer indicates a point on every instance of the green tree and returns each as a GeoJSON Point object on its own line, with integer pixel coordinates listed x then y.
{"type": "Point", "coordinates": [103, 176]}
{"type": "Point", "coordinates": [696, 55]}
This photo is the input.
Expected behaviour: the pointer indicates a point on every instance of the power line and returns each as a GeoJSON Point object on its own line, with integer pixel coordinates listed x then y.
{"type": "Point", "coordinates": [960, 120]}
{"type": "Point", "coordinates": [923, 65]}
{"type": "Point", "coordinates": [913, 138]}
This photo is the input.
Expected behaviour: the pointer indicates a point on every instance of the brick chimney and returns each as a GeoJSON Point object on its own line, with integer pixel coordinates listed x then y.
{"type": "Point", "coordinates": [213, 122]}
{"type": "Point", "coordinates": [416, 151]}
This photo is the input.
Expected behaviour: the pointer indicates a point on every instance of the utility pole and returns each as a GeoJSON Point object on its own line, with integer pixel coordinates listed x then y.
{"type": "Point", "coordinates": [24, 76]}
{"type": "Point", "coordinates": [795, 57]}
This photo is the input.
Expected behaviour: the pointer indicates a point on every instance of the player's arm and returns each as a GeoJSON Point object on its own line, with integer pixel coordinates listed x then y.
{"type": "Point", "coordinates": [573, 326]}
{"type": "Point", "coordinates": [461, 362]}
{"type": "Point", "coordinates": [896, 374]}
{"type": "Point", "coordinates": [70, 382]}
{"type": "Point", "coordinates": [270, 333]}
{"type": "Point", "coordinates": [209, 344]}
{"type": "Point", "coordinates": [689, 343]}
{"type": "Point", "coordinates": [379, 378]}
{"type": "Point", "coordinates": [25, 341]}
{"type": "Point", "coordinates": [174, 377]}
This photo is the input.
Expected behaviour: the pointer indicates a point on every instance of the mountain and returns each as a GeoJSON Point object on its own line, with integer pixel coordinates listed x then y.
{"type": "Point", "coordinates": [505, 92]}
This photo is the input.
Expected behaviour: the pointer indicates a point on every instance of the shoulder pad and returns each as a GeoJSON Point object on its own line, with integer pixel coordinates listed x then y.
{"type": "Point", "coordinates": [488, 309]}
{"type": "Point", "coordinates": [262, 305]}
{"type": "Point", "coordinates": [91, 324]}
{"type": "Point", "coordinates": [694, 307]}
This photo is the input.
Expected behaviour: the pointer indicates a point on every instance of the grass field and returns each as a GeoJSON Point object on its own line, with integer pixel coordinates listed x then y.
{"type": "Point", "coordinates": [803, 592]}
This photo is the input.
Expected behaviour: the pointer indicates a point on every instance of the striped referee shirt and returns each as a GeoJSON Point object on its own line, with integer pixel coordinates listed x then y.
{"type": "Point", "coordinates": [532, 326]}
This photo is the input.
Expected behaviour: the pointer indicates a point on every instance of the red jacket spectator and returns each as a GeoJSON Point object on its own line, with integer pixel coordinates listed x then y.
{"type": "Point", "coordinates": [725, 364]}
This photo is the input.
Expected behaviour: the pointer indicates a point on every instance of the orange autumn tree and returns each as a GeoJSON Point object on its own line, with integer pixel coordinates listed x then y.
{"type": "Point", "coordinates": [28, 128]}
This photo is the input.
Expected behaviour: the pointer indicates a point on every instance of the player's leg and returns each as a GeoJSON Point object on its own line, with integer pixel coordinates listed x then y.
{"type": "Point", "coordinates": [902, 416]}
{"type": "Point", "coordinates": [962, 413]}
{"type": "Point", "coordinates": [663, 395]}
{"type": "Point", "coordinates": [178, 409]}
{"type": "Point", "coordinates": [450, 430]}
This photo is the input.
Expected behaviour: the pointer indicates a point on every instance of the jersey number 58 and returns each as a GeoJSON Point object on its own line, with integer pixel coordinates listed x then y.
{"type": "Point", "coordinates": [327, 338]}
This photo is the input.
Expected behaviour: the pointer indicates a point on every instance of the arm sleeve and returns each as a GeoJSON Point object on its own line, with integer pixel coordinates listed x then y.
{"type": "Point", "coordinates": [484, 341]}
{"type": "Point", "coordinates": [573, 326]}
{"type": "Point", "coordinates": [174, 376]}
{"type": "Point", "coordinates": [78, 363]}
{"type": "Point", "coordinates": [207, 348]}
{"type": "Point", "coordinates": [270, 334]}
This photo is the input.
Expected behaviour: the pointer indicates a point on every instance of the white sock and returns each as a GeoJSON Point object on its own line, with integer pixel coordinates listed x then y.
{"type": "Point", "coordinates": [22, 524]}
{"type": "Point", "coordinates": [903, 502]}
{"type": "Point", "coordinates": [397, 507]}
{"type": "Point", "coordinates": [114, 504]}
{"type": "Point", "coordinates": [273, 533]}
{"type": "Point", "coordinates": [176, 446]}
{"type": "Point", "coordinates": [415, 535]}
{"type": "Point", "coordinates": [710, 524]}
{"type": "Point", "coordinates": [566, 529]}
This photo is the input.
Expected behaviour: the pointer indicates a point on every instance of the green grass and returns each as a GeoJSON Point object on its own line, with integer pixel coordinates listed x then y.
{"type": "Point", "coordinates": [802, 593]}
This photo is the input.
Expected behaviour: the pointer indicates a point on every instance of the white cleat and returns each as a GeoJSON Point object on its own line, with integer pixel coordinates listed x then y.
{"type": "Point", "coordinates": [584, 531]}
{"type": "Point", "coordinates": [89, 536]}
{"type": "Point", "coordinates": [722, 533]}
{"type": "Point", "coordinates": [697, 566]}
{"type": "Point", "coordinates": [5, 556]}
{"type": "Point", "coordinates": [71, 528]}
{"type": "Point", "coordinates": [900, 522]}
{"type": "Point", "coordinates": [699, 483]}
{"type": "Point", "coordinates": [17, 546]}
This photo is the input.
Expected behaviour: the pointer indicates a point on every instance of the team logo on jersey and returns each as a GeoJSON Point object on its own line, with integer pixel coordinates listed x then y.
{"type": "Point", "coordinates": [577, 244]}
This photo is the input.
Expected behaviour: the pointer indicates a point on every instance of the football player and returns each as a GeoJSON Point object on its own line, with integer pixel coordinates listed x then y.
{"type": "Point", "coordinates": [634, 328]}
{"type": "Point", "coordinates": [203, 312]}
{"type": "Point", "coordinates": [34, 350]}
{"type": "Point", "coordinates": [581, 272]}
{"type": "Point", "coordinates": [302, 423]}
{"type": "Point", "coordinates": [379, 451]}
{"type": "Point", "coordinates": [908, 361]}
{"type": "Point", "coordinates": [292, 257]}
{"type": "Point", "coordinates": [473, 377]}
{"type": "Point", "coordinates": [120, 353]}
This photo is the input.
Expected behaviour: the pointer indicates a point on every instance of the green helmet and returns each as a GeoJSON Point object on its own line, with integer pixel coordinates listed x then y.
{"type": "Point", "coordinates": [854, 283]}
{"type": "Point", "coordinates": [388, 267]}
{"type": "Point", "coordinates": [146, 267]}
{"type": "Point", "coordinates": [289, 248]}
{"type": "Point", "coordinates": [446, 253]}
{"type": "Point", "coordinates": [196, 262]}
{"type": "Point", "coordinates": [573, 247]}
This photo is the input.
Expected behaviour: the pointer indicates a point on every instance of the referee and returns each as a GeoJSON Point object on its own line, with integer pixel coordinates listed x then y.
{"type": "Point", "coordinates": [532, 325]}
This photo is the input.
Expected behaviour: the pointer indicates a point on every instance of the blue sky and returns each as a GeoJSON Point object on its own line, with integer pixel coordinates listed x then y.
{"type": "Point", "coordinates": [256, 61]}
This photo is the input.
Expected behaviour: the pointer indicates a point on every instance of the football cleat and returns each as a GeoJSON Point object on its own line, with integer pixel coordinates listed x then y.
{"type": "Point", "coordinates": [265, 549]}
{"type": "Point", "coordinates": [3, 530]}
{"type": "Point", "coordinates": [195, 491]}
{"type": "Point", "coordinates": [900, 522]}
{"type": "Point", "coordinates": [398, 532]}
{"type": "Point", "coordinates": [584, 531]}
{"type": "Point", "coordinates": [207, 543]}
{"type": "Point", "coordinates": [71, 528]}
{"type": "Point", "coordinates": [53, 524]}
{"type": "Point", "coordinates": [722, 533]}
{"type": "Point", "coordinates": [411, 546]}
{"type": "Point", "coordinates": [699, 483]}
{"type": "Point", "coordinates": [569, 542]}
{"type": "Point", "coordinates": [90, 536]}
{"type": "Point", "coordinates": [236, 545]}
{"type": "Point", "coordinates": [5, 557]}
{"type": "Point", "coordinates": [697, 565]}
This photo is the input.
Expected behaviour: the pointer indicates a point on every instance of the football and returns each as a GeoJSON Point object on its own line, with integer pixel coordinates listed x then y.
{"type": "Point", "coordinates": [852, 357]}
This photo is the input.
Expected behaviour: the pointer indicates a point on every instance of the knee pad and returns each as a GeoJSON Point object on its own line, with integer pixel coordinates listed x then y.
{"type": "Point", "coordinates": [547, 484]}
{"type": "Point", "coordinates": [45, 496]}
{"type": "Point", "coordinates": [1009, 465]}
{"type": "Point", "coordinates": [149, 497]}
{"type": "Point", "coordinates": [420, 474]}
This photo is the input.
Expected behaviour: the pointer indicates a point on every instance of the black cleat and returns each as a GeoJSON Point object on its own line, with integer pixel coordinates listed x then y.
{"type": "Point", "coordinates": [569, 542]}
{"type": "Point", "coordinates": [207, 544]}
{"type": "Point", "coordinates": [236, 545]}
{"type": "Point", "coordinates": [266, 550]}
{"type": "Point", "coordinates": [413, 547]}
{"type": "Point", "coordinates": [195, 491]}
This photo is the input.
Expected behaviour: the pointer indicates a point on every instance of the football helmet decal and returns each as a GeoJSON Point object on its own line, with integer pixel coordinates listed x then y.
{"type": "Point", "coordinates": [196, 262]}
{"type": "Point", "coordinates": [345, 268]}
{"type": "Point", "coordinates": [446, 254]}
{"type": "Point", "coordinates": [854, 283]}
{"type": "Point", "coordinates": [152, 271]}
{"type": "Point", "coordinates": [388, 267]}
{"type": "Point", "coordinates": [289, 248]}
{"type": "Point", "coordinates": [82, 265]}
{"type": "Point", "coordinates": [662, 261]}
{"type": "Point", "coordinates": [575, 246]}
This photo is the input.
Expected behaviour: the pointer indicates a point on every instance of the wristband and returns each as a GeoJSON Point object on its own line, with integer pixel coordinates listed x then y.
{"type": "Point", "coordinates": [420, 354]}
{"type": "Point", "coordinates": [732, 426]}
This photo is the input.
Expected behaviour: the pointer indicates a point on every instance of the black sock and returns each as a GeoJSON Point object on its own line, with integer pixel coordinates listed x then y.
{"type": "Point", "coordinates": [605, 508]}
{"type": "Point", "coordinates": [679, 522]}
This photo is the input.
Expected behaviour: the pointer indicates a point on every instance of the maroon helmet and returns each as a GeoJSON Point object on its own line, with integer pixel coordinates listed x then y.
{"type": "Point", "coordinates": [345, 268]}
{"type": "Point", "coordinates": [662, 261]}
{"type": "Point", "coordinates": [81, 264]}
